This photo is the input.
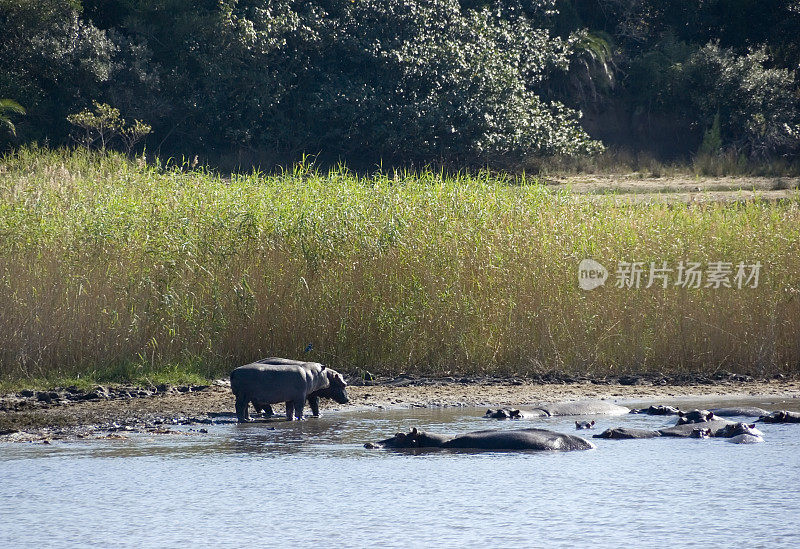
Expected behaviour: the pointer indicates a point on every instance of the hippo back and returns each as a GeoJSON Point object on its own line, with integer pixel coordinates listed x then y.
{"type": "Point", "coordinates": [519, 439]}
{"type": "Point", "coordinates": [278, 380]}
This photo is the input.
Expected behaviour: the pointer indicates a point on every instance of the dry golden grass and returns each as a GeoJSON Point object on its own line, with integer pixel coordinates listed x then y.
{"type": "Point", "coordinates": [109, 268]}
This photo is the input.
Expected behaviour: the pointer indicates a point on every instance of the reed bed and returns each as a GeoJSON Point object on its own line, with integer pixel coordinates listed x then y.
{"type": "Point", "coordinates": [112, 268]}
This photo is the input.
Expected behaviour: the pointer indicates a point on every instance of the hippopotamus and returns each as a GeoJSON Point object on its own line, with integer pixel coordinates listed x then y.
{"type": "Point", "coordinates": [580, 408]}
{"type": "Point", "coordinates": [627, 433]}
{"type": "Point", "coordinates": [657, 410]}
{"type": "Point", "coordinates": [736, 429]}
{"type": "Point", "coordinates": [781, 416]}
{"type": "Point", "coordinates": [686, 429]}
{"type": "Point", "coordinates": [700, 432]}
{"type": "Point", "coordinates": [695, 416]}
{"type": "Point", "coordinates": [272, 380]}
{"type": "Point", "coordinates": [493, 439]}
{"type": "Point", "coordinates": [503, 413]}
{"type": "Point", "coordinates": [584, 425]}
{"type": "Point", "coordinates": [743, 411]}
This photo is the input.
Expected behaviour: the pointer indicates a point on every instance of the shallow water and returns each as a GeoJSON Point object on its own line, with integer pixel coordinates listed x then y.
{"type": "Point", "coordinates": [278, 483]}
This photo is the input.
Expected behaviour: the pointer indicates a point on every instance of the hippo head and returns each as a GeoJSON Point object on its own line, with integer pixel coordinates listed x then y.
{"type": "Point", "coordinates": [496, 414]}
{"type": "Point", "coordinates": [695, 416]}
{"type": "Point", "coordinates": [336, 389]}
{"type": "Point", "coordinates": [584, 424]}
{"type": "Point", "coordinates": [700, 433]}
{"type": "Point", "coordinates": [739, 429]}
{"type": "Point", "coordinates": [412, 439]}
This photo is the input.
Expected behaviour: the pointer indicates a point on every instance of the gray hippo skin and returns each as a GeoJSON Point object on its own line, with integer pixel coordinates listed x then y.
{"type": "Point", "coordinates": [620, 433]}
{"type": "Point", "coordinates": [742, 411]}
{"type": "Point", "coordinates": [781, 416]}
{"type": "Point", "coordinates": [507, 413]}
{"type": "Point", "coordinates": [274, 380]}
{"type": "Point", "coordinates": [584, 425]}
{"type": "Point", "coordinates": [517, 439]}
{"type": "Point", "coordinates": [657, 410]}
{"type": "Point", "coordinates": [686, 429]}
{"type": "Point", "coordinates": [581, 408]}
{"type": "Point", "coordinates": [695, 416]}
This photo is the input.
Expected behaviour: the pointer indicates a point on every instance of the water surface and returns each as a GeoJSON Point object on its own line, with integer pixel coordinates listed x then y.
{"type": "Point", "coordinates": [278, 483]}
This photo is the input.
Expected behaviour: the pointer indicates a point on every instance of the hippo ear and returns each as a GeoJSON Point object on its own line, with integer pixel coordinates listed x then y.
{"type": "Point", "coordinates": [752, 425]}
{"type": "Point", "coordinates": [592, 423]}
{"type": "Point", "coordinates": [414, 431]}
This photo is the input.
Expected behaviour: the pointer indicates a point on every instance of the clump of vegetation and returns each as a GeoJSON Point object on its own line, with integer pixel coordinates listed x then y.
{"type": "Point", "coordinates": [9, 107]}
{"type": "Point", "coordinates": [107, 265]}
{"type": "Point", "coordinates": [104, 124]}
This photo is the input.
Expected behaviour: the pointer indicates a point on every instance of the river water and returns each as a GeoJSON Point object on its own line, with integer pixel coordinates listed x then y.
{"type": "Point", "coordinates": [277, 483]}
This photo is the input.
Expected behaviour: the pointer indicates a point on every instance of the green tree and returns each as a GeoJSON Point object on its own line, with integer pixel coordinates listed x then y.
{"type": "Point", "coordinates": [7, 108]}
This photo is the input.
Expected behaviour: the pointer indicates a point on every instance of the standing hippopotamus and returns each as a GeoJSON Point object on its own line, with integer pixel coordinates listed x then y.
{"type": "Point", "coordinates": [274, 380]}
{"type": "Point", "coordinates": [516, 439]}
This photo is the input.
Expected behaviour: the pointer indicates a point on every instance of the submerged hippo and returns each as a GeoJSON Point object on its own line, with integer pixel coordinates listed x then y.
{"type": "Point", "coordinates": [685, 429]}
{"type": "Point", "coordinates": [517, 439]}
{"type": "Point", "coordinates": [581, 408]}
{"type": "Point", "coordinates": [781, 416]}
{"type": "Point", "coordinates": [584, 425]}
{"type": "Point", "coordinates": [736, 429]}
{"type": "Point", "coordinates": [657, 410]}
{"type": "Point", "coordinates": [620, 433]}
{"type": "Point", "coordinates": [695, 416]}
{"type": "Point", "coordinates": [743, 411]}
{"type": "Point", "coordinates": [503, 413]}
{"type": "Point", "coordinates": [274, 380]}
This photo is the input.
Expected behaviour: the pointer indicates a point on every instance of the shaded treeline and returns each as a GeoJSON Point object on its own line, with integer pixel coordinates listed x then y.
{"type": "Point", "coordinates": [245, 82]}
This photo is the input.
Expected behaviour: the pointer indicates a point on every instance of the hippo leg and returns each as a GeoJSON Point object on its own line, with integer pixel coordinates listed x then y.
{"type": "Point", "coordinates": [313, 403]}
{"type": "Point", "coordinates": [289, 410]}
{"type": "Point", "coordinates": [299, 404]}
{"type": "Point", "coordinates": [268, 410]}
{"type": "Point", "coordinates": [242, 403]}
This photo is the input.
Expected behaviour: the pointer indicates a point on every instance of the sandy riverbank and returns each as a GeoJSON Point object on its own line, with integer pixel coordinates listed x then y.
{"type": "Point", "coordinates": [31, 419]}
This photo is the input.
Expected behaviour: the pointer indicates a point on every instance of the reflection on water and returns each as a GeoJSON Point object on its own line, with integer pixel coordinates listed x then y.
{"type": "Point", "coordinates": [275, 483]}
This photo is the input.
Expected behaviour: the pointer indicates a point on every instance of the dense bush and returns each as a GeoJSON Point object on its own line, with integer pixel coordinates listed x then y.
{"type": "Point", "coordinates": [411, 80]}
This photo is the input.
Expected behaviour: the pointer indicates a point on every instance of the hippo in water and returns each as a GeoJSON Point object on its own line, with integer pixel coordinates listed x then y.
{"type": "Point", "coordinates": [685, 429]}
{"type": "Point", "coordinates": [781, 416]}
{"type": "Point", "coordinates": [620, 433]}
{"type": "Point", "coordinates": [517, 439]}
{"type": "Point", "coordinates": [743, 411]}
{"type": "Point", "coordinates": [657, 410]}
{"type": "Point", "coordinates": [273, 380]}
{"type": "Point", "coordinates": [580, 408]}
{"type": "Point", "coordinates": [695, 416]}
{"type": "Point", "coordinates": [503, 413]}
{"type": "Point", "coordinates": [584, 425]}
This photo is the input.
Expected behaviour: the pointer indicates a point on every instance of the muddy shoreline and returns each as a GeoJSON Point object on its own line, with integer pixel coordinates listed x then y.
{"type": "Point", "coordinates": [112, 411]}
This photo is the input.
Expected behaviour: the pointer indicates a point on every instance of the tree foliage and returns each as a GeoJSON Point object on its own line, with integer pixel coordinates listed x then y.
{"type": "Point", "coordinates": [411, 80]}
